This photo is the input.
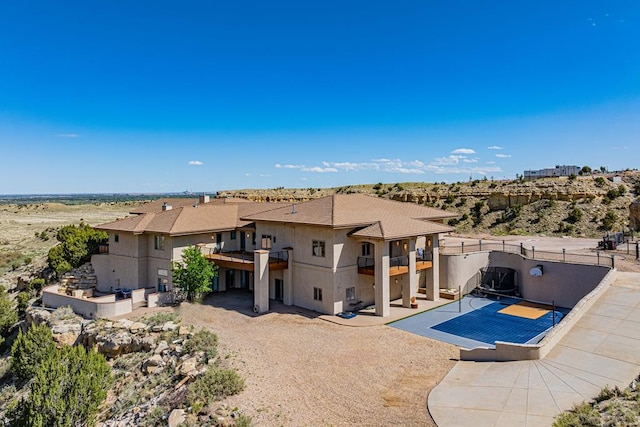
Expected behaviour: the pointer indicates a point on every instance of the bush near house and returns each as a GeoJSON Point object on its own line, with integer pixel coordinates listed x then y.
{"type": "Point", "coordinates": [8, 315]}
{"type": "Point", "coordinates": [77, 244]}
{"type": "Point", "coordinates": [194, 273]}
{"type": "Point", "coordinates": [29, 350]}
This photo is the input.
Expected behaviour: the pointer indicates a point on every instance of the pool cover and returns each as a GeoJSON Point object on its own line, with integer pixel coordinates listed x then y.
{"type": "Point", "coordinates": [486, 325]}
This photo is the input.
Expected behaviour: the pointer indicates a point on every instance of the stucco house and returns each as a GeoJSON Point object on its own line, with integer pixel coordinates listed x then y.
{"type": "Point", "coordinates": [329, 254]}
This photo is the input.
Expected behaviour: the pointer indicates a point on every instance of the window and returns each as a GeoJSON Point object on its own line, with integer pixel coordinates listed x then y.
{"type": "Point", "coordinates": [317, 294]}
{"type": "Point", "coordinates": [233, 235]}
{"type": "Point", "coordinates": [266, 241]}
{"type": "Point", "coordinates": [366, 249]}
{"type": "Point", "coordinates": [158, 243]}
{"type": "Point", "coordinates": [351, 294]}
{"type": "Point", "coordinates": [253, 238]}
{"type": "Point", "coordinates": [318, 248]}
{"type": "Point", "coordinates": [116, 238]}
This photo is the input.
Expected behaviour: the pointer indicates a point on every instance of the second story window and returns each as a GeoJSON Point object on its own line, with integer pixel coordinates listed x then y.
{"type": "Point", "coordinates": [366, 249]}
{"type": "Point", "coordinates": [158, 243]}
{"type": "Point", "coordinates": [233, 235]}
{"type": "Point", "coordinates": [116, 238]}
{"type": "Point", "coordinates": [318, 248]}
{"type": "Point", "coordinates": [266, 241]}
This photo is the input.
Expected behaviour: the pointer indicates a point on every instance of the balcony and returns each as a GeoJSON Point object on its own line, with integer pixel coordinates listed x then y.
{"type": "Point", "coordinates": [243, 260]}
{"type": "Point", "coordinates": [397, 265]}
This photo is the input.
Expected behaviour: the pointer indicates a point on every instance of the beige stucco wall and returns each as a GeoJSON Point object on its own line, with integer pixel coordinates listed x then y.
{"type": "Point", "coordinates": [461, 270]}
{"type": "Point", "coordinates": [93, 308]}
{"type": "Point", "coordinates": [563, 283]}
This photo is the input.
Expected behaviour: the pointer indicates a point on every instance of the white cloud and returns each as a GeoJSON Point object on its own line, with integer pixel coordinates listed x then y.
{"type": "Point", "coordinates": [67, 135]}
{"type": "Point", "coordinates": [463, 151]}
{"type": "Point", "coordinates": [318, 169]}
{"type": "Point", "coordinates": [264, 175]}
{"type": "Point", "coordinates": [452, 164]}
{"type": "Point", "coordinates": [196, 163]}
{"type": "Point", "coordinates": [503, 156]}
{"type": "Point", "coordinates": [247, 174]}
{"type": "Point", "coordinates": [491, 163]}
{"type": "Point", "coordinates": [495, 147]}
{"type": "Point", "coordinates": [288, 166]}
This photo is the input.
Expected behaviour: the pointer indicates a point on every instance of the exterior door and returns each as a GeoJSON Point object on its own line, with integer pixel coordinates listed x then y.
{"type": "Point", "coordinates": [244, 279]}
{"type": "Point", "coordinates": [279, 289]}
{"type": "Point", "coordinates": [230, 279]}
{"type": "Point", "coordinates": [243, 241]}
{"type": "Point", "coordinates": [214, 284]}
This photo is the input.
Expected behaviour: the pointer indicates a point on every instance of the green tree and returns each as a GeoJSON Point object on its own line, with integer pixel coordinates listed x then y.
{"type": "Point", "coordinates": [194, 273]}
{"type": "Point", "coordinates": [586, 170]}
{"type": "Point", "coordinates": [8, 315]}
{"type": "Point", "coordinates": [30, 349]}
{"type": "Point", "coordinates": [574, 216]}
{"type": "Point", "coordinates": [77, 244]}
{"type": "Point", "coordinates": [67, 389]}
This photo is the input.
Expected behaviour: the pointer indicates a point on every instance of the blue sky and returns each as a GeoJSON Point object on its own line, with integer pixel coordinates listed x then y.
{"type": "Point", "coordinates": [115, 96]}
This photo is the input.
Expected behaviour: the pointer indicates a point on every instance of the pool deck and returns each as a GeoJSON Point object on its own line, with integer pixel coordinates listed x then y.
{"type": "Point", "coordinates": [602, 349]}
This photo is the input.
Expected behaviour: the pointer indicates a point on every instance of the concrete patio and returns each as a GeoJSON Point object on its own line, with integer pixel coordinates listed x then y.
{"type": "Point", "coordinates": [602, 349]}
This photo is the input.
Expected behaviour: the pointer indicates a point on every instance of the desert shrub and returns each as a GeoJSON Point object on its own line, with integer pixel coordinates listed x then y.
{"type": "Point", "coordinates": [575, 215]}
{"type": "Point", "coordinates": [493, 185]}
{"type": "Point", "coordinates": [30, 349]}
{"type": "Point", "coordinates": [613, 194]}
{"type": "Point", "coordinates": [205, 341]}
{"type": "Point", "coordinates": [453, 222]}
{"type": "Point", "coordinates": [67, 388]}
{"type": "Point", "coordinates": [450, 199]}
{"type": "Point", "coordinates": [599, 181]}
{"type": "Point", "coordinates": [582, 415]}
{"type": "Point", "coordinates": [162, 318]}
{"type": "Point", "coordinates": [243, 420]}
{"type": "Point", "coordinates": [216, 383]}
{"type": "Point", "coordinates": [572, 177]}
{"type": "Point", "coordinates": [77, 244]}
{"type": "Point", "coordinates": [36, 285]}
{"type": "Point", "coordinates": [22, 301]}
{"type": "Point", "coordinates": [8, 315]}
{"type": "Point", "coordinates": [609, 220]}
{"type": "Point", "coordinates": [378, 186]}
{"type": "Point", "coordinates": [464, 217]}
{"type": "Point", "coordinates": [63, 313]}
{"type": "Point", "coordinates": [586, 170]}
{"type": "Point", "coordinates": [154, 417]}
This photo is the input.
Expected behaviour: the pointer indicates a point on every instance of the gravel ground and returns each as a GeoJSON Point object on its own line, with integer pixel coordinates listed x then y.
{"type": "Point", "coordinates": [305, 371]}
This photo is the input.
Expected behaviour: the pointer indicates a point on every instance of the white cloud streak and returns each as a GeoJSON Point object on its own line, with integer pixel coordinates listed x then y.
{"type": "Point", "coordinates": [463, 151]}
{"type": "Point", "coordinates": [495, 147]}
{"type": "Point", "coordinates": [503, 156]}
{"type": "Point", "coordinates": [453, 164]}
{"type": "Point", "coordinates": [67, 135]}
{"type": "Point", "coordinates": [195, 163]}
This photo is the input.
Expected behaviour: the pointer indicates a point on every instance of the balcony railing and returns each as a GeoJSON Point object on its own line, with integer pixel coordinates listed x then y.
{"type": "Point", "coordinates": [244, 256]}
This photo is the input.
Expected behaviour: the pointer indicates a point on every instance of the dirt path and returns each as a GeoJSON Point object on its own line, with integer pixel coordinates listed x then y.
{"type": "Point", "coordinates": [308, 372]}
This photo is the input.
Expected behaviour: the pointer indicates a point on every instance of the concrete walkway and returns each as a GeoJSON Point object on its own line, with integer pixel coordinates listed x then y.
{"type": "Point", "coordinates": [602, 349]}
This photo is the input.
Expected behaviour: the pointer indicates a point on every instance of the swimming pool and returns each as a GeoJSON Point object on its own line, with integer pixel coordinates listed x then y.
{"type": "Point", "coordinates": [481, 321]}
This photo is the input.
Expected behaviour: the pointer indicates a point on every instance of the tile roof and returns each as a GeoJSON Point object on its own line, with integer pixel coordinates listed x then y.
{"type": "Point", "coordinates": [372, 216]}
{"type": "Point", "coordinates": [358, 210]}
{"type": "Point", "coordinates": [209, 217]}
{"type": "Point", "coordinates": [178, 202]}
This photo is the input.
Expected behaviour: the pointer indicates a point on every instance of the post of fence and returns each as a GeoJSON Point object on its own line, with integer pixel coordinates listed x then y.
{"type": "Point", "coordinates": [613, 261]}
{"type": "Point", "coordinates": [533, 252]}
{"type": "Point", "coordinates": [480, 244]}
{"type": "Point", "coordinates": [462, 247]}
{"type": "Point", "coordinates": [564, 255]}
{"type": "Point", "coordinates": [503, 246]}
{"type": "Point", "coordinates": [637, 250]}
{"type": "Point", "coordinates": [598, 255]}
{"type": "Point", "coordinates": [521, 249]}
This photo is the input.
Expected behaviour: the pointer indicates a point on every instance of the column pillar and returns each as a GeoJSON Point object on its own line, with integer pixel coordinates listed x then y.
{"type": "Point", "coordinates": [261, 281]}
{"type": "Point", "coordinates": [381, 275]}
{"type": "Point", "coordinates": [287, 298]}
{"type": "Point", "coordinates": [433, 290]}
{"type": "Point", "coordinates": [410, 287]}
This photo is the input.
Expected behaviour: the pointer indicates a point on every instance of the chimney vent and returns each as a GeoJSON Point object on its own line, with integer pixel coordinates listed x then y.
{"type": "Point", "coordinates": [293, 208]}
{"type": "Point", "coordinates": [166, 207]}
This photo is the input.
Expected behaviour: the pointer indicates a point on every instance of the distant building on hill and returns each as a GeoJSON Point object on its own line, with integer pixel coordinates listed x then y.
{"type": "Point", "coordinates": [563, 170]}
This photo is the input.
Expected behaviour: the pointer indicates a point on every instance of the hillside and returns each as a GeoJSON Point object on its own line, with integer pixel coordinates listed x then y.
{"type": "Point", "coordinates": [587, 206]}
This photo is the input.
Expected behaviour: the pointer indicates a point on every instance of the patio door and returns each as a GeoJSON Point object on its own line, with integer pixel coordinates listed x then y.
{"type": "Point", "coordinates": [244, 279]}
{"type": "Point", "coordinates": [214, 284]}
